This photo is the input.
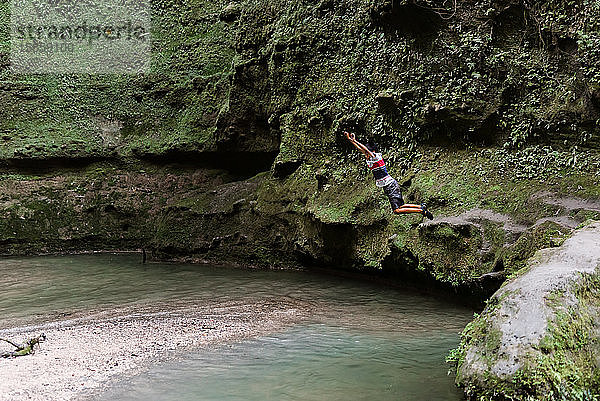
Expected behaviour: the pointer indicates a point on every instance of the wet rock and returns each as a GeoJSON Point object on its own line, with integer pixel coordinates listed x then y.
{"type": "Point", "coordinates": [538, 337]}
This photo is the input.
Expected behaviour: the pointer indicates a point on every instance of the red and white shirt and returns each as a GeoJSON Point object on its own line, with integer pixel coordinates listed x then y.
{"type": "Point", "coordinates": [377, 166]}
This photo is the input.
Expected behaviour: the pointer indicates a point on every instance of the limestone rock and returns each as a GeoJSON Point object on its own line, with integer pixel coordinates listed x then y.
{"type": "Point", "coordinates": [538, 338]}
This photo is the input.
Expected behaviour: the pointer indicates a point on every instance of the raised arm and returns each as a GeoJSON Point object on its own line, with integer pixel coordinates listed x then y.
{"type": "Point", "coordinates": [362, 148]}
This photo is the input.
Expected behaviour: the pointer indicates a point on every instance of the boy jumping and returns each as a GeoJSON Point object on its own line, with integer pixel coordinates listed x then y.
{"type": "Point", "coordinates": [384, 180]}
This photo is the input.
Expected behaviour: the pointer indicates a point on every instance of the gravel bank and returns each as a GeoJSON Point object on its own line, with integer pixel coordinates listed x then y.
{"type": "Point", "coordinates": [82, 355]}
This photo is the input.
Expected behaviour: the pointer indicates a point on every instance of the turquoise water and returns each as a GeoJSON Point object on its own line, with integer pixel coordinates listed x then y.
{"type": "Point", "coordinates": [362, 341]}
{"type": "Point", "coordinates": [313, 362]}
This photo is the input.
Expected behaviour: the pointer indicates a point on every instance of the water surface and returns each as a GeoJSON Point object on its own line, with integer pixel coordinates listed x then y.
{"type": "Point", "coordinates": [361, 341]}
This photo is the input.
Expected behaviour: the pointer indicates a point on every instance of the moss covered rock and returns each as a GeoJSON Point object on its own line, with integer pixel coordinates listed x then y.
{"type": "Point", "coordinates": [487, 110]}
{"type": "Point", "coordinates": [538, 338]}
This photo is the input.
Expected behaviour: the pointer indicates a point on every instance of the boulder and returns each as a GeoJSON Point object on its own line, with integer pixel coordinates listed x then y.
{"type": "Point", "coordinates": [538, 337]}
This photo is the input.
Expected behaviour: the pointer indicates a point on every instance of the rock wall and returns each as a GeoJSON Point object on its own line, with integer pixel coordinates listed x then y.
{"type": "Point", "coordinates": [231, 148]}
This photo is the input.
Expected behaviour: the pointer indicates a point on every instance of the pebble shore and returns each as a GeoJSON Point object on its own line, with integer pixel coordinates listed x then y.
{"type": "Point", "coordinates": [84, 355]}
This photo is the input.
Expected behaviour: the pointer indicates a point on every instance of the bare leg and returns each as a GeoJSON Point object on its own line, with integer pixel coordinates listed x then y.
{"type": "Point", "coordinates": [404, 210]}
{"type": "Point", "coordinates": [411, 206]}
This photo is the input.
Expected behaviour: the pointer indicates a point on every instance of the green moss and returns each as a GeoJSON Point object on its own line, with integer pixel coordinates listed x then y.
{"type": "Point", "coordinates": [172, 109]}
{"type": "Point", "coordinates": [566, 367]}
{"type": "Point", "coordinates": [295, 74]}
{"type": "Point", "coordinates": [545, 235]}
{"type": "Point", "coordinates": [478, 331]}
{"type": "Point", "coordinates": [474, 330]}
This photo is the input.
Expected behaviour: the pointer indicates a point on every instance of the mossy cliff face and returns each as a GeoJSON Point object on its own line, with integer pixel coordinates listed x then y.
{"type": "Point", "coordinates": [538, 337]}
{"type": "Point", "coordinates": [487, 110]}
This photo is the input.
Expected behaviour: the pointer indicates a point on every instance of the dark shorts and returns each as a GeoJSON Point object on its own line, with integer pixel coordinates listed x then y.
{"type": "Point", "coordinates": [392, 190]}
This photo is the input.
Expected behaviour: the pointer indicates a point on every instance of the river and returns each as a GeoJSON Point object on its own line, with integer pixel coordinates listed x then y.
{"type": "Point", "coordinates": [360, 340]}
